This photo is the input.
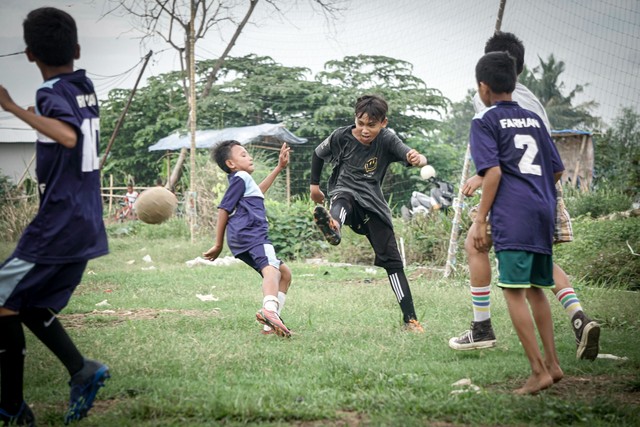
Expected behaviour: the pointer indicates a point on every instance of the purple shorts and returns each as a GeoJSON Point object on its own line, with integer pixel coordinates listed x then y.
{"type": "Point", "coordinates": [258, 257]}
{"type": "Point", "coordinates": [24, 284]}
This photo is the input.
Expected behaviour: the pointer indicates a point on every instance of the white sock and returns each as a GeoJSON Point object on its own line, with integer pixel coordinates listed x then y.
{"type": "Point", "coordinates": [270, 303]}
{"type": "Point", "coordinates": [282, 297]}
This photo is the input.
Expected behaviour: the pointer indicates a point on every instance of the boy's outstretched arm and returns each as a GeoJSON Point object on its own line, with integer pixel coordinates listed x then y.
{"type": "Point", "coordinates": [283, 161]}
{"type": "Point", "coordinates": [316, 170]}
{"type": "Point", "coordinates": [416, 159]}
{"type": "Point", "coordinates": [490, 183]}
{"type": "Point", "coordinates": [57, 130]}
{"type": "Point", "coordinates": [221, 227]}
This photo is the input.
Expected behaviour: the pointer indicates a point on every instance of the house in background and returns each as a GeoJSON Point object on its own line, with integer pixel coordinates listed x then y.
{"type": "Point", "coordinates": [17, 153]}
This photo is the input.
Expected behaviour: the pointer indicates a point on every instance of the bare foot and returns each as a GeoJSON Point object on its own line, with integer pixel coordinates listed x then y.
{"type": "Point", "coordinates": [555, 372]}
{"type": "Point", "coordinates": [536, 383]}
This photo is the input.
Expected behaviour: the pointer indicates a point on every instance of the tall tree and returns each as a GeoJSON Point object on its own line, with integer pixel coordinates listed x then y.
{"type": "Point", "coordinates": [544, 81]}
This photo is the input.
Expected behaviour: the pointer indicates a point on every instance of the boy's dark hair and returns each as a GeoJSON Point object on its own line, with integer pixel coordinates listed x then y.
{"type": "Point", "coordinates": [498, 71]}
{"type": "Point", "coordinates": [374, 106]}
{"type": "Point", "coordinates": [221, 153]}
{"type": "Point", "coordinates": [507, 42]}
{"type": "Point", "coordinates": [51, 36]}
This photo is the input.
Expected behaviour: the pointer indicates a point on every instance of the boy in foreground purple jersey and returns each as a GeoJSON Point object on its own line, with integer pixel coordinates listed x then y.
{"type": "Point", "coordinates": [514, 153]}
{"type": "Point", "coordinates": [37, 280]}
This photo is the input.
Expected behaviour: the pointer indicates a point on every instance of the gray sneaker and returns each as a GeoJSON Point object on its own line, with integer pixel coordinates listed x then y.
{"type": "Point", "coordinates": [587, 334]}
{"type": "Point", "coordinates": [479, 336]}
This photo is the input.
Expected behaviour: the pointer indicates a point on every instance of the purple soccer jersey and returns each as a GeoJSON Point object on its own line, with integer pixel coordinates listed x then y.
{"type": "Point", "coordinates": [68, 226]}
{"type": "Point", "coordinates": [523, 213]}
{"type": "Point", "coordinates": [247, 226]}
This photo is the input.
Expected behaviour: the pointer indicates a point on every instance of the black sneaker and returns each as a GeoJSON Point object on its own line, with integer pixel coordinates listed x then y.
{"type": "Point", "coordinates": [24, 417]}
{"type": "Point", "coordinates": [587, 334]}
{"type": "Point", "coordinates": [479, 336]}
{"type": "Point", "coordinates": [84, 387]}
{"type": "Point", "coordinates": [323, 220]}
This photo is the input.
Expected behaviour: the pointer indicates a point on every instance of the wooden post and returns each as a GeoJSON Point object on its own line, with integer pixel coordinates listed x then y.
{"type": "Point", "coordinates": [577, 165]}
{"type": "Point", "coordinates": [110, 192]}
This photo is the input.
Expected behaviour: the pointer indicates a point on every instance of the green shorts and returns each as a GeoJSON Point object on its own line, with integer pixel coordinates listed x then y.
{"type": "Point", "coordinates": [522, 269]}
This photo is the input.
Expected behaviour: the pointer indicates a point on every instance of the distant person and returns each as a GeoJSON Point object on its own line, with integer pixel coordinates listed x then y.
{"type": "Point", "coordinates": [481, 334]}
{"type": "Point", "coordinates": [131, 197]}
{"type": "Point", "coordinates": [360, 155]}
{"type": "Point", "coordinates": [37, 280]}
{"type": "Point", "coordinates": [519, 163]}
{"type": "Point", "coordinates": [242, 215]}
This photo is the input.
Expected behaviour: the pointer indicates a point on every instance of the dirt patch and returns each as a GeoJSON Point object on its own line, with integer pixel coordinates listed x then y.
{"type": "Point", "coordinates": [618, 388]}
{"type": "Point", "coordinates": [114, 317]}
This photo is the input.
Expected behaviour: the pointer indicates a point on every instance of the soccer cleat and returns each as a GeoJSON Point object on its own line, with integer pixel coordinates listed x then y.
{"type": "Point", "coordinates": [413, 326]}
{"type": "Point", "coordinates": [479, 336]}
{"type": "Point", "coordinates": [271, 319]}
{"type": "Point", "coordinates": [323, 220]}
{"type": "Point", "coordinates": [84, 387]}
{"type": "Point", "coordinates": [24, 417]}
{"type": "Point", "coordinates": [587, 334]}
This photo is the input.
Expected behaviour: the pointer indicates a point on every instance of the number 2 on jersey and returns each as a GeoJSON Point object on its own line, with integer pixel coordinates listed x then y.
{"type": "Point", "coordinates": [527, 143]}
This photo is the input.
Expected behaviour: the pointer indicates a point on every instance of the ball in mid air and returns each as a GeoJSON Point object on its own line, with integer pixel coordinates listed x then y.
{"type": "Point", "coordinates": [155, 205]}
{"type": "Point", "coordinates": [427, 172]}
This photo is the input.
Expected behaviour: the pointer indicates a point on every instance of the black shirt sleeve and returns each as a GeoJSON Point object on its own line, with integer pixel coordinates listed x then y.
{"type": "Point", "coordinates": [316, 169]}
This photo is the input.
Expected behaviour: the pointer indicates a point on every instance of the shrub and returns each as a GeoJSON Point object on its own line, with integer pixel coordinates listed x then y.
{"type": "Point", "coordinates": [17, 208]}
{"type": "Point", "coordinates": [601, 201]}
{"type": "Point", "coordinates": [291, 228]}
{"type": "Point", "coordinates": [173, 228]}
{"type": "Point", "coordinates": [600, 255]}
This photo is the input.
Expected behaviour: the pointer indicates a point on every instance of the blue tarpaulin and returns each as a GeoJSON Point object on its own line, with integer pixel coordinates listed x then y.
{"type": "Point", "coordinates": [267, 132]}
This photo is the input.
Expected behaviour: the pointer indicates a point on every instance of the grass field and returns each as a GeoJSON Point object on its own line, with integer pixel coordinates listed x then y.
{"type": "Point", "coordinates": [179, 361]}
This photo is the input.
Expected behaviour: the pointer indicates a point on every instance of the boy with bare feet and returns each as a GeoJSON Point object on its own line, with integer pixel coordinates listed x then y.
{"type": "Point", "coordinates": [514, 153]}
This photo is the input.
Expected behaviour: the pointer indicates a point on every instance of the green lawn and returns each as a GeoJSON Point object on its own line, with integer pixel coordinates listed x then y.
{"type": "Point", "coordinates": [179, 361]}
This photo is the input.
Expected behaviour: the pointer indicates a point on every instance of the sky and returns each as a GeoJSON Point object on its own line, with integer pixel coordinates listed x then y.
{"type": "Point", "coordinates": [599, 41]}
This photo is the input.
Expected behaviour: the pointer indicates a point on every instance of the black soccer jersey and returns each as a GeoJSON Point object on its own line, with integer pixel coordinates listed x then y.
{"type": "Point", "coordinates": [359, 169]}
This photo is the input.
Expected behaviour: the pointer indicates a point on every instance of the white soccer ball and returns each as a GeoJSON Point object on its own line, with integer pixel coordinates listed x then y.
{"type": "Point", "coordinates": [155, 205]}
{"type": "Point", "coordinates": [427, 172]}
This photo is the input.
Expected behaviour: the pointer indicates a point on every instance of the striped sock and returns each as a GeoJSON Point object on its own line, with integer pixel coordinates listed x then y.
{"type": "Point", "coordinates": [569, 301]}
{"type": "Point", "coordinates": [481, 301]}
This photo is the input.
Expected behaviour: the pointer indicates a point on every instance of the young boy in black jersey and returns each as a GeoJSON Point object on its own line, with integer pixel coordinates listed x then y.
{"type": "Point", "coordinates": [38, 279]}
{"type": "Point", "coordinates": [360, 155]}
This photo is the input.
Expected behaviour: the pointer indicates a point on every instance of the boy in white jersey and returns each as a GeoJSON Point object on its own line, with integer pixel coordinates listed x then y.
{"type": "Point", "coordinates": [38, 279]}
{"type": "Point", "coordinates": [514, 153]}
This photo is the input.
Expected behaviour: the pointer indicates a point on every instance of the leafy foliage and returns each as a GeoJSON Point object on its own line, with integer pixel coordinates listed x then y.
{"type": "Point", "coordinates": [601, 252]}
{"type": "Point", "coordinates": [617, 159]}
{"type": "Point", "coordinates": [544, 81]}
{"type": "Point", "coordinates": [602, 201]}
{"type": "Point", "coordinates": [292, 230]}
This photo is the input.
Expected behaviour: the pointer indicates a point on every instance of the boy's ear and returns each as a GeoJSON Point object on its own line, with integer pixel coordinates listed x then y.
{"type": "Point", "coordinates": [384, 123]}
{"type": "Point", "coordinates": [230, 164]}
{"type": "Point", "coordinates": [77, 54]}
{"type": "Point", "coordinates": [29, 54]}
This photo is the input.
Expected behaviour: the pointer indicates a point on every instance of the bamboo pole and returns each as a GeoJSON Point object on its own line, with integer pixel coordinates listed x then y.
{"type": "Point", "coordinates": [458, 204]}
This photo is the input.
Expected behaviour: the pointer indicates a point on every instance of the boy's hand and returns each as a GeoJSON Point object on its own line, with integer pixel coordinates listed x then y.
{"type": "Point", "coordinates": [5, 99]}
{"type": "Point", "coordinates": [283, 158]}
{"type": "Point", "coordinates": [212, 253]}
{"type": "Point", "coordinates": [316, 194]}
{"type": "Point", "coordinates": [416, 159]}
{"type": "Point", "coordinates": [479, 235]}
{"type": "Point", "coordinates": [471, 185]}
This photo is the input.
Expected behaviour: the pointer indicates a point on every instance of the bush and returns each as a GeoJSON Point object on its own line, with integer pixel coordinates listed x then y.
{"type": "Point", "coordinates": [17, 208]}
{"type": "Point", "coordinates": [600, 202]}
{"type": "Point", "coordinates": [291, 228]}
{"type": "Point", "coordinates": [173, 228]}
{"type": "Point", "coordinates": [600, 255]}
